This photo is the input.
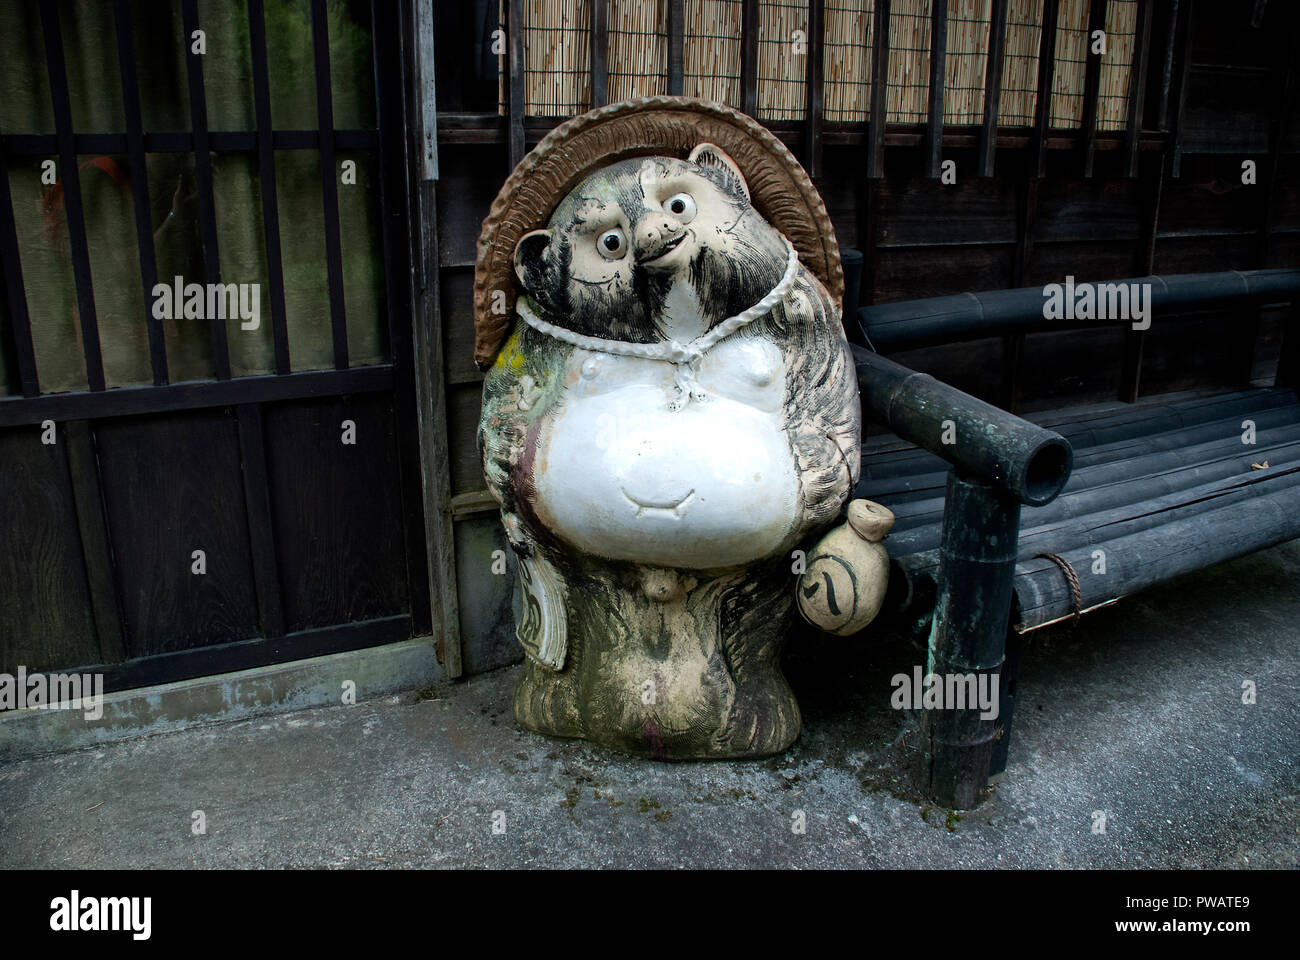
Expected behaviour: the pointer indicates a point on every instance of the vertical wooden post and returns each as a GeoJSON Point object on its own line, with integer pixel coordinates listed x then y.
{"type": "Point", "coordinates": [1013, 346]}
{"type": "Point", "coordinates": [599, 53]}
{"type": "Point", "coordinates": [329, 183]}
{"type": "Point", "coordinates": [430, 374]}
{"type": "Point", "coordinates": [140, 187]}
{"type": "Point", "coordinates": [1169, 24]}
{"type": "Point", "coordinates": [1271, 197]}
{"type": "Point", "coordinates": [1092, 84]}
{"type": "Point", "coordinates": [813, 88]}
{"type": "Point", "coordinates": [1043, 98]}
{"type": "Point", "coordinates": [676, 45]}
{"type": "Point", "coordinates": [515, 36]}
{"type": "Point", "coordinates": [203, 181]}
{"type": "Point", "coordinates": [749, 57]}
{"type": "Point", "coordinates": [879, 79]}
{"type": "Point", "coordinates": [20, 324]}
{"type": "Point", "coordinates": [1137, 87]}
{"type": "Point", "coordinates": [1153, 181]}
{"type": "Point", "coordinates": [70, 178]}
{"type": "Point", "coordinates": [1184, 71]}
{"type": "Point", "coordinates": [993, 87]}
{"type": "Point", "coordinates": [938, 86]}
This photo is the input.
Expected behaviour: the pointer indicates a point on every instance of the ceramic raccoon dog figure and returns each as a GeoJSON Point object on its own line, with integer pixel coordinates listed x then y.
{"type": "Point", "coordinates": [675, 412]}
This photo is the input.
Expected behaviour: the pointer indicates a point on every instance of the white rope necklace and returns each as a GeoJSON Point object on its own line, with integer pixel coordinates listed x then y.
{"type": "Point", "coordinates": [684, 356]}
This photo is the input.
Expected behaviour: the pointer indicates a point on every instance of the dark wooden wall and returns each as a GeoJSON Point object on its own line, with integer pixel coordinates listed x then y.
{"type": "Point", "coordinates": [312, 544]}
{"type": "Point", "coordinates": [100, 528]}
{"type": "Point", "coordinates": [1164, 196]}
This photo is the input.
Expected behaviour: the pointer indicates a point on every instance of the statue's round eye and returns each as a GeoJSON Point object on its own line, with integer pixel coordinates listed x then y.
{"type": "Point", "coordinates": [681, 206]}
{"type": "Point", "coordinates": [612, 244]}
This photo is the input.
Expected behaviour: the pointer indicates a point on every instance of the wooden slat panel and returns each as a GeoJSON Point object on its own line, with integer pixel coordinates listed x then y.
{"type": "Point", "coordinates": [337, 509]}
{"type": "Point", "coordinates": [172, 486]}
{"type": "Point", "coordinates": [257, 503]}
{"type": "Point", "coordinates": [464, 404]}
{"type": "Point", "coordinates": [487, 617]}
{"type": "Point", "coordinates": [96, 550]}
{"type": "Point", "coordinates": [45, 608]}
{"type": "Point", "coordinates": [920, 213]}
{"type": "Point", "coordinates": [942, 270]}
{"type": "Point", "coordinates": [246, 654]}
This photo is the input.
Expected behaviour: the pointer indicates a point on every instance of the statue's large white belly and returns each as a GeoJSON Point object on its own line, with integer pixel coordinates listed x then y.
{"type": "Point", "coordinates": [621, 475]}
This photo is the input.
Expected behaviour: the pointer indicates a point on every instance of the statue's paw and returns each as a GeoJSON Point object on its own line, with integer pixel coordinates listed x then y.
{"type": "Point", "coordinates": [546, 703]}
{"type": "Point", "coordinates": [764, 721]}
{"type": "Point", "coordinates": [847, 573]}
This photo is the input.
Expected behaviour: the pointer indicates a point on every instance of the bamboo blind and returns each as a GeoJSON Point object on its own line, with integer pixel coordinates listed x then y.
{"type": "Point", "coordinates": [907, 99]}
{"type": "Point", "coordinates": [711, 60]}
{"type": "Point", "coordinates": [782, 59]}
{"type": "Point", "coordinates": [846, 61]}
{"type": "Point", "coordinates": [967, 53]}
{"type": "Point", "coordinates": [1020, 63]}
{"type": "Point", "coordinates": [1071, 63]}
{"type": "Point", "coordinates": [1116, 65]}
{"type": "Point", "coordinates": [557, 56]}
{"type": "Point", "coordinates": [638, 48]}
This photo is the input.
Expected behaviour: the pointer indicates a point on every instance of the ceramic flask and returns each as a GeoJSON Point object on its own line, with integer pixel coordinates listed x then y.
{"type": "Point", "coordinates": [847, 571]}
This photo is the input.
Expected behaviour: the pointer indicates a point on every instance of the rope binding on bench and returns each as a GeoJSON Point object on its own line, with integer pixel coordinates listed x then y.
{"type": "Point", "coordinates": [1072, 578]}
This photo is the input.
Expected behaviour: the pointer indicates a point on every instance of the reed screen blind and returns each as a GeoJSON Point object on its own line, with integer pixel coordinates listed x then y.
{"type": "Point", "coordinates": [557, 58]}
{"type": "Point", "coordinates": [711, 67]}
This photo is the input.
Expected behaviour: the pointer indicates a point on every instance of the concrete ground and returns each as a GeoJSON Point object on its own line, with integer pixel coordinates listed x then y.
{"type": "Point", "coordinates": [1137, 713]}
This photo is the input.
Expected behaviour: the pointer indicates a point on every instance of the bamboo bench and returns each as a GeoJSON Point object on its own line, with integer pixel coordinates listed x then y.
{"type": "Point", "coordinates": [1012, 525]}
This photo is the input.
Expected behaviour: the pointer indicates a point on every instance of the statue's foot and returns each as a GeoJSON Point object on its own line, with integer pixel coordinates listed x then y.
{"type": "Point", "coordinates": [546, 702]}
{"type": "Point", "coordinates": [764, 721]}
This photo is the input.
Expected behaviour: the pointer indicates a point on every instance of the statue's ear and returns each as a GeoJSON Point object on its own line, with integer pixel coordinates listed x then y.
{"type": "Point", "coordinates": [529, 252]}
{"type": "Point", "coordinates": [709, 155]}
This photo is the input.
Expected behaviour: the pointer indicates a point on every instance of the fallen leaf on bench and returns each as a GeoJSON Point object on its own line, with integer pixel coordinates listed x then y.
{"type": "Point", "coordinates": [1259, 466]}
